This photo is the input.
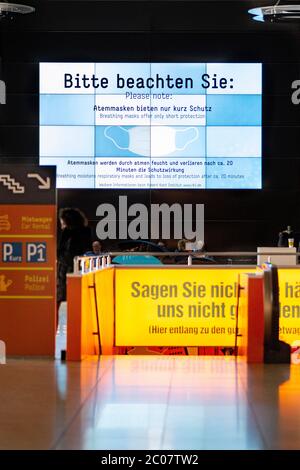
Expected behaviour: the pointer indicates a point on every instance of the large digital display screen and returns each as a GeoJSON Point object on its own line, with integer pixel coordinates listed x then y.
{"type": "Point", "coordinates": [158, 125]}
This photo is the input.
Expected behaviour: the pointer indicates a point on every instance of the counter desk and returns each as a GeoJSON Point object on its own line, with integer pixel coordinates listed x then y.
{"type": "Point", "coordinates": [155, 307]}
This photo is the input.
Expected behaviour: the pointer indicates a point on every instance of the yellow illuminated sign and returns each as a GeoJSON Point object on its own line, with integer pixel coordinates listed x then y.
{"type": "Point", "coordinates": [289, 291]}
{"type": "Point", "coordinates": [176, 307]}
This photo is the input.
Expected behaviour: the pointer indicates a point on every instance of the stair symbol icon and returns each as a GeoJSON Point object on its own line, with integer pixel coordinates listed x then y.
{"type": "Point", "coordinates": [12, 184]}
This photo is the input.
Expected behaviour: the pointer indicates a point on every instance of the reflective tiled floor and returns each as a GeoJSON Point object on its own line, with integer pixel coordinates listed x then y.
{"type": "Point", "coordinates": [149, 402]}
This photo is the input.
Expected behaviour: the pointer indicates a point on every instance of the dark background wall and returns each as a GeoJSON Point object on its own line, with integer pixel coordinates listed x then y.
{"type": "Point", "coordinates": [170, 31]}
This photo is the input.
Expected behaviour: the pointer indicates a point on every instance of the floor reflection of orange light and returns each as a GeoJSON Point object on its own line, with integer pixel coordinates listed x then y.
{"type": "Point", "coordinates": [189, 372]}
{"type": "Point", "coordinates": [289, 395]}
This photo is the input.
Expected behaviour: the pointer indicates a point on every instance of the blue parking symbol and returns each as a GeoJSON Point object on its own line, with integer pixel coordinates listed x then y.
{"type": "Point", "coordinates": [12, 252]}
{"type": "Point", "coordinates": [36, 252]}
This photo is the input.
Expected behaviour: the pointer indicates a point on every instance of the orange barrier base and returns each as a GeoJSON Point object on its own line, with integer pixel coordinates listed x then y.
{"type": "Point", "coordinates": [251, 318]}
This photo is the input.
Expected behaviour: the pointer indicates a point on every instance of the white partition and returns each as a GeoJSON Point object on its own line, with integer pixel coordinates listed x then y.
{"type": "Point", "coordinates": [288, 256]}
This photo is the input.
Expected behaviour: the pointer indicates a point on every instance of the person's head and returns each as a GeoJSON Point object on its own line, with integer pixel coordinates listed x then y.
{"type": "Point", "coordinates": [97, 247]}
{"type": "Point", "coordinates": [71, 217]}
{"type": "Point", "coordinates": [181, 245]}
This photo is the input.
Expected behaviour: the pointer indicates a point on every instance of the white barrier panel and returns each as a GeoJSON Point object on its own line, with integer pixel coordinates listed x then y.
{"type": "Point", "coordinates": [2, 352]}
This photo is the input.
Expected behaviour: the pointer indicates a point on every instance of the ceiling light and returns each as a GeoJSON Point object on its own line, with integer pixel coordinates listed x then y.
{"type": "Point", "coordinates": [276, 13]}
{"type": "Point", "coordinates": [11, 9]}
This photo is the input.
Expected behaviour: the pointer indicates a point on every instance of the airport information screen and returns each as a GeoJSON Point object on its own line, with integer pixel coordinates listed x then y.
{"type": "Point", "coordinates": [158, 125]}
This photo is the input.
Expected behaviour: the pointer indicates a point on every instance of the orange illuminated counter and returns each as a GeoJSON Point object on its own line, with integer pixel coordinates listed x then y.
{"type": "Point", "coordinates": [176, 306]}
{"type": "Point", "coordinates": [289, 290]}
{"type": "Point", "coordinates": [171, 306]}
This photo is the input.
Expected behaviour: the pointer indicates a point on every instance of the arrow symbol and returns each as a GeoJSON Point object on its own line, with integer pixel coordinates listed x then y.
{"type": "Point", "coordinates": [45, 183]}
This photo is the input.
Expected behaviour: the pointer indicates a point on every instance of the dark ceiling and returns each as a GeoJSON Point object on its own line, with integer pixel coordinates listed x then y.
{"type": "Point", "coordinates": [141, 16]}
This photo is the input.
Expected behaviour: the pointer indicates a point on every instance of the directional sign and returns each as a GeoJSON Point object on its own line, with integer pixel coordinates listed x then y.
{"type": "Point", "coordinates": [44, 183]}
{"type": "Point", "coordinates": [27, 184]}
{"type": "Point", "coordinates": [28, 259]}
